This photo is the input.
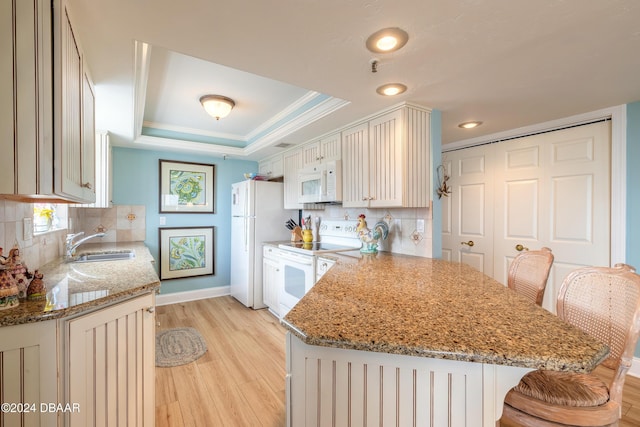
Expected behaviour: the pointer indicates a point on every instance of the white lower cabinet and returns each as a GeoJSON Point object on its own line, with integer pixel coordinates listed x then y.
{"type": "Point", "coordinates": [335, 386]}
{"type": "Point", "coordinates": [28, 374]}
{"type": "Point", "coordinates": [271, 279]}
{"type": "Point", "coordinates": [110, 365]}
{"type": "Point", "coordinates": [97, 369]}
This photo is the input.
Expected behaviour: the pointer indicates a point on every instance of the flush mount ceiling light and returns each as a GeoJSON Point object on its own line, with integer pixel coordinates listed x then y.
{"type": "Point", "coordinates": [391, 89]}
{"type": "Point", "coordinates": [387, 40]}
{"type": "Point", "coordinates": [469, 125]}
{"type": "Point", "coordinates": [217, 106]}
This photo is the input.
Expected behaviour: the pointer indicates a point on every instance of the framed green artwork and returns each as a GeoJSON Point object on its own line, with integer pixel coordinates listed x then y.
{"type": "Point", "coordinates": [186, 252]}
{"type": "Point", "coordinates": [186, 187]}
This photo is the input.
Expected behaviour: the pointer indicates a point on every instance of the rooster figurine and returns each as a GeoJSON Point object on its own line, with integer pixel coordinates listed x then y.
{"type": "Point", "coordinates": [370, 238]}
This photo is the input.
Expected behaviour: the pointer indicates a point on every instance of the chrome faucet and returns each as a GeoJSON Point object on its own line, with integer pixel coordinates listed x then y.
{"type": "Point", "coordinates": [70, 246]}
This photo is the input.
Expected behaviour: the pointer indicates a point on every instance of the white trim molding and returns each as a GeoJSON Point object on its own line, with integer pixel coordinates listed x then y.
{"type": "Point", "coordinates": [186, 296]}
{"type": "Point", "coordinates": [274, 129]}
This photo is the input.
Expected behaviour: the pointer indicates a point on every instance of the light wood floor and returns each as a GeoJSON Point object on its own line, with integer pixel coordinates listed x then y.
{"type": "Point", "coordinates": [240, 380]}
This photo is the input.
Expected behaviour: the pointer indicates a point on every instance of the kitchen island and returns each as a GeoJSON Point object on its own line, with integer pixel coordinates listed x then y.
{"type": "Point", "coordinates": [85, 354]}
{"type": "Point", "coordinates": [389, 339]}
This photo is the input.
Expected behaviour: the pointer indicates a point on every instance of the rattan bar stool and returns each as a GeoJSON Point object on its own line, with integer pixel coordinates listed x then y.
{"type": "Point", "coordinates": [528, 273]}
{"type": "Point", "coordinates": [605, 303]}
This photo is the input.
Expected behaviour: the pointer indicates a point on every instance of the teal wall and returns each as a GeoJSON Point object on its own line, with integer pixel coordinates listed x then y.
{"type": "Point", "coordinates": [633, 179]}
{"type": "Point", "coordinates": [135, 182]}
{"type": "Point", "coordinates": [633, 193]}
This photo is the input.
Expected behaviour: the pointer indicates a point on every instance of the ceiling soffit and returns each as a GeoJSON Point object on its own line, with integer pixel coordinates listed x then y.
{"type": "Point", "coordinates": [307, 107]}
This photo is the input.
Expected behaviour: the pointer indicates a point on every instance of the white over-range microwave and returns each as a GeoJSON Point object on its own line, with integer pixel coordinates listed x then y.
{"type": "Point", "coordinates": [321, 183]}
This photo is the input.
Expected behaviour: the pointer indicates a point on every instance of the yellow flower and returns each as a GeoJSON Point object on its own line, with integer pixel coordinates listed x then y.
{"type": "Point", "coordinates": [44, 212]}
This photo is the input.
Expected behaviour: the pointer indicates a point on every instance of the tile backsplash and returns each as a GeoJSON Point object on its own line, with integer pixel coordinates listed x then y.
{"type": "Point", "coordinates": [124, 223]}
{"type": "Point", "coordinates": [35, 250]}
{"type": "Point", "coordinates": [410, 229]}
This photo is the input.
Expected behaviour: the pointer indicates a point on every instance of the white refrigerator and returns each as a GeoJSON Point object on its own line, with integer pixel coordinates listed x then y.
{"type": "Point", "coordinates": [257, 216]}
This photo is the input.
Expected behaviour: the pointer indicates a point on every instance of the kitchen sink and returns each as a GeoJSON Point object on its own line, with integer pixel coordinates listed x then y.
{"type": "Point", "coordinates": [105, 256]}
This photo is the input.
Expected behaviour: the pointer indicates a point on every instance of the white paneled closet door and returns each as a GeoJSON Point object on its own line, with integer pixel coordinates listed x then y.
{"type": "Point", "coordinates": [467, 216]}
{"type": "Point", "coordinates": [553, 190]}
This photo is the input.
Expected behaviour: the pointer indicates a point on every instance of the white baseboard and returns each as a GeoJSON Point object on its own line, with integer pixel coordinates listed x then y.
{"type": "Point", "coordinates": [177, 297]}
{"type": "Point", "coordinates": [634, 371]}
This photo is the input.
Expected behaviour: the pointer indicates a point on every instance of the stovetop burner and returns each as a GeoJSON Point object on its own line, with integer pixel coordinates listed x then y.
{"type": "Point", "coordinates": [317, 247]}
{"type": "Point", "coordinates": [335, 236]}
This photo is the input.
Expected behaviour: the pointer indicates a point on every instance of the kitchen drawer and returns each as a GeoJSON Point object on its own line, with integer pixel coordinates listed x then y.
{"type": "Point", "coordinates": [270, 252]}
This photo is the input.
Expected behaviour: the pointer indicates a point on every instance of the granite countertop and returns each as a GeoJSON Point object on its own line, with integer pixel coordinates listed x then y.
{"type": "Point", "coordinates": [427, 307]}
{"type": "Point", "coordinates": [73, 288]}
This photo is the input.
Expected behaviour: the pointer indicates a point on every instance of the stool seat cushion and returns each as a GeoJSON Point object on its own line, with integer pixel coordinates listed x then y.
{"type": "Point", "coordinates": [564, 388]}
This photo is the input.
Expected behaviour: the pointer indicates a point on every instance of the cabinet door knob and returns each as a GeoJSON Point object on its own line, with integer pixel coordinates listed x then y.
{"type": "Point", "coordinates": [87, 185]}
{"type": "Point", "coordinates": [151, 309]}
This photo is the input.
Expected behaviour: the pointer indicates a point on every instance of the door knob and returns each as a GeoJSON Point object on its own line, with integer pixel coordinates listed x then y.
{"type": "Point", "coordinates": [469, 243]}
{"type": "Point", "coordinates": [521, 248]}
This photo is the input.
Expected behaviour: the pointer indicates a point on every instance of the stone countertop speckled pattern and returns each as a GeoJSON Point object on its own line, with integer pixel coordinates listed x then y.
{"type": "Point", "coordinates": [427, 307]}
{"type": "Point", "coordinates": [86, 286]}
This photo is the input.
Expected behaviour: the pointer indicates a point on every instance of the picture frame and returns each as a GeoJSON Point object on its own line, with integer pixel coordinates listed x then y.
{"type": "Point", "coordinates": [186, 252]}
{"type": "Point", "coordinates": [186, 187]}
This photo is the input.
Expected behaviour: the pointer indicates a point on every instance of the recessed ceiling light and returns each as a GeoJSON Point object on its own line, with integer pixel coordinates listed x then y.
{"type": "Point", "coordinates": [387, 40]}
{"type": "Point", "coordinates": [391, 89]}
{"type": "Point", "coordinates": [469, 125]}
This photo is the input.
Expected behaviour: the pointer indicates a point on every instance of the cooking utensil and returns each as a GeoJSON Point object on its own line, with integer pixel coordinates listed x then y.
{"type": "Point", "coordinates": [290, 224]}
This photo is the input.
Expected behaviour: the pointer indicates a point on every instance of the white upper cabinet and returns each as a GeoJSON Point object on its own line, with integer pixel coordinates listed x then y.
{"type": "Point", "coordinates": [355, 166]}
{"type": "Point", "coordinates": [324, 150]}
{"type": "Point", "coordinates": [272, 167]}
{"type": "Point", "coordinates": [88, 138]}
{"type": "Point", "coordinates": [292, 163]}
{"type": "Point", "coordinates": [26, 114]}
{"type": "Point", "coordinates": [47, 121]}
{"type": "Point", "coordinates": [386, 160]}
{"type": "Point", "coordinates": [74, 129]}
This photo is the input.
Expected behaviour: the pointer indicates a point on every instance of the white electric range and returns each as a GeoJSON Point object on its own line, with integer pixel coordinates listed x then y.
{"type": "Point", "coordinates": [298, 260]}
